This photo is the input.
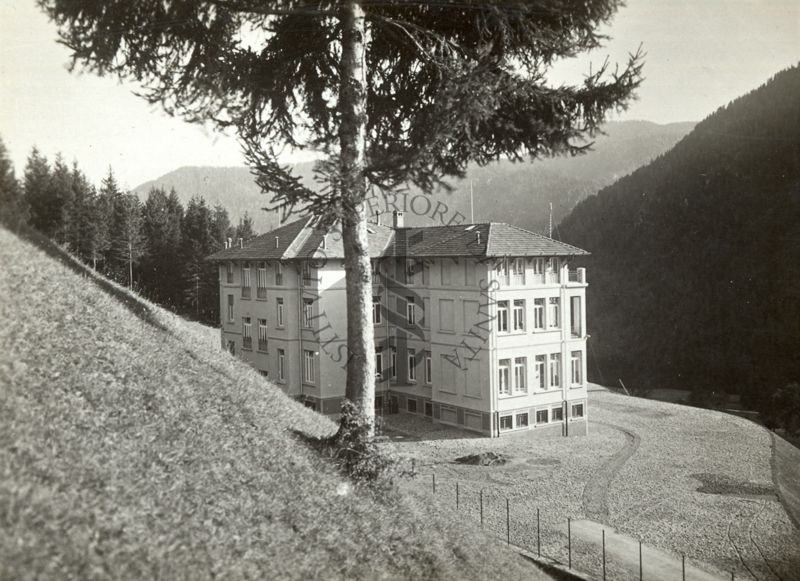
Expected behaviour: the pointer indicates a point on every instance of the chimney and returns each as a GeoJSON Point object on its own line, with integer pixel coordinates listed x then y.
{"type": "Point", "coordinates": [397, 218]}
{"type": "Point", "coordinates": [324, 241]}
{"type": "Point", "coordinates": [377, 217]}
{"type": "Point", "coordinates": [241, 242]}
{"type": "Point", "coordinates": [277, 242]}
{"type": "Point", "coordinates": [230, 243]}
{"type": "Point", "coordinates": [479, 236]}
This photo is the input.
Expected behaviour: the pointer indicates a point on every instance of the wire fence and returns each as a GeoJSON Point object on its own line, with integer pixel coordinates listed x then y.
{"type": "Point", "coordinates": [578, 545]}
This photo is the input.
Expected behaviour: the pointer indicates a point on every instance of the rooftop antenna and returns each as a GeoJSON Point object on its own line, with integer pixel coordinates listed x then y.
{"type": "Point", "coordinates": [471, 204]}
{"type": "Point", "coordinates": [551, 220]}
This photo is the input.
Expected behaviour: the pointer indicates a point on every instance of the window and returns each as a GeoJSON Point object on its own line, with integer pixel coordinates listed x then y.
{"type": "Point", "coordinates": [426, 309]}
{"type": "Point", "coordinates": [281, 365]}
{"type": "Point", "coordinates": [555, 369]}
{"type": "Point", "coordinates": [411, 315]}
{"type": "Point", "coordinates": [278, 274]}
{"type": "Point", "coordinates": [279, 311]}
{"type": "Point", "coordinates": [542, 416]}
{"type": "Point", "coordinates": [232, 347]}
{"type": "Point", "coordinates": [576, 360]}
{"type": "Point", "coordinates": [520, 374]}
{"type": "Point", "coordinates": [428, 369]}
{"type": "Point", "coordinates": [522, 420]}
{"type": "Point", "coordinates": [519, 315]}
{"type": "Point", "coordinates": [262, 334]}
{"type": "Point", "coordinates": [230, 308]}
{"type": "Point", "coordinates": [577, 410]}
{"type": "Point", "coordinates": [518, 271]}
{"type": "Point", "coordinates": [246, 281]}
{"type": "Point", "coordinates": [378, 364]}
{"type": "Point", "coordinates": [445, 272]}
{"type": "Point", "coordinates": [501, 270]}
{"type": "Point", "coordinates": [307, 272]}
{"type": "Point", "coordinates": [539, 372]}
{"type": "Point", "coordinates": [308, 312]}
{"type": "Point", "coordinates": [426, 273]}
{"type": "Point", "coordinates": [538, 266]}
{"type": "Point", "coordinates": [575, 317]}
{"type": "Point", "coordinates": [393, 362]}
{"type": "Point", "coordinates": [552, 270]}
{"type": "Point", "coordinates": [447, 315]}
{"type": "Point", "coordinates": [261, 280]}
{"type": "Point", "coordinates": [504, 372]}
{"type": "Point", "coordinates": [376, 310]}
{"type": "Point", "coordinates": [506, 422]}
{"type": "Point", "coordinates": [502, 316]}
{"type": "Point", "coordinates": [428, 409]}
{"type": "Point", "coordinates": [247, 333]}
{"type": "Point", "coordinates": [412, 365]}
{"type": "Point", "coordinates": [553, 314]}
{"type": "Point", "coordinates": [469, 272]}
{"type": "Point", "coordinates": [557, 414]}
{"type": "Point", "coordinates": [411, 406]}
{"type": "Point", "coordinates": [229, 272]}
{"type": "Point", "coordinates": [411, 270]}
{"type": "Point", "coordinates": [308, 366]}
{"type": "Point", "coordinates": [538, 314]}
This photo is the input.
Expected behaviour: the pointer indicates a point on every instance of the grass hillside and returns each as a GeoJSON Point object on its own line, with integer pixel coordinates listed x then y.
{"type": "Point", "coordinates": [132, 448]}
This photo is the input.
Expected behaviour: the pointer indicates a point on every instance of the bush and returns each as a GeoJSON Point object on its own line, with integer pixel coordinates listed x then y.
{"type": "Point", "coordinates": [782, 409]}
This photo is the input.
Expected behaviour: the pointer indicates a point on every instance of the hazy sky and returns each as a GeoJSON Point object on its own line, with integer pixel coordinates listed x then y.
{"type": "Point", "coordinates": [701, 55]}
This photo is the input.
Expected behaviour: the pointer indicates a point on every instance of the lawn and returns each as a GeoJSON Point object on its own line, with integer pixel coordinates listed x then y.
{"type": "Point", "coordinates": [132, 447]}
{"type": "Point", "coordinates": [681, 479]}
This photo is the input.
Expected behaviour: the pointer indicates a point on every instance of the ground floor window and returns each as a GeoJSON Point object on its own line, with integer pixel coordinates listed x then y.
{"type": "Point", "coordinates": [542, 416]}
{"type": "Point", "coordinates": [411, 406]}
{"type": "Point", "coordinates": [557, 414]}
{"type": "Point", "coordinates": [506, 422]}
{"type": "Point", "coordinates": [522, 420]}
{"type": "Point", "coordinates": [577, 410]}
{"type": "Point", "coordinates": [428, 409]}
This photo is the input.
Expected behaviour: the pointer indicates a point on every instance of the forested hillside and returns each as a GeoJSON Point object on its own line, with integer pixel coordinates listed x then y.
{"type": "Point", "coordinates": [505, 192]}
{"type": "Point", "coordinates": [695, 267]}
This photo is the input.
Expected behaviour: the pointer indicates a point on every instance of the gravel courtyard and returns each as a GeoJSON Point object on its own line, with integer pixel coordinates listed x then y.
{"type": "Point", "coordinates": [680, 479]}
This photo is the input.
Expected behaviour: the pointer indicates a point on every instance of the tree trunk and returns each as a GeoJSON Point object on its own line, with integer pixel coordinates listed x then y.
{"type": "Point", "coordinates": [360, 387]}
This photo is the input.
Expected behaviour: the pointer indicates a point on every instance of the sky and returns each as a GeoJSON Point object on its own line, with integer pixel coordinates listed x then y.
{"type": "Point", "coordinates": [701, 54]}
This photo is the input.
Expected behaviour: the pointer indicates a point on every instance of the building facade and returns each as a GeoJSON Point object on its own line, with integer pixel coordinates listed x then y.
{"type": "Point", "coordinates": [480, 326]}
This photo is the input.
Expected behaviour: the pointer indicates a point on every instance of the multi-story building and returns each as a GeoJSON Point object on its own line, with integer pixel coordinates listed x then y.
{"type": "Point", "coordinates": [481, 326]}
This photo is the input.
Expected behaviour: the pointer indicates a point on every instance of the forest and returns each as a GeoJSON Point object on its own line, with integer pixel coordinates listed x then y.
{"type": "Point", "coordinates": [156, 247]}
{"type": "Point", "coordinates": [695, 266]}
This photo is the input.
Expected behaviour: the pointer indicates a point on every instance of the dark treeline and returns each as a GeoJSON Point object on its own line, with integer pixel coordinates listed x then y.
{"type": "Point", "coordinates": [695, 266]}
{"type": "Point", "coordinates": [158, 247]}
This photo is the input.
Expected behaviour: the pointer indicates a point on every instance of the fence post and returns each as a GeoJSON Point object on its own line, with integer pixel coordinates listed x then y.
{"type": "Point", "coordinates": [413, 467]}
{"type": "Point", "coordinates": [434, 482]}
{"type": "Point", "coordinates": [569, 543]}
{"type": "Point", "coordinates": [538, 535]}
{"type": "Point", "coordinates": [508, 523]}
{"type": "Point", "coordinates": [481, 507]}
{"type": "Point", "coordinates": [683, 566]}
{"type": "Point", "coordinates": [604, 554]}
{"type": "Point", "coordinates": [640, 560]}
{"type": "Point", "coordinates": [456, 495]}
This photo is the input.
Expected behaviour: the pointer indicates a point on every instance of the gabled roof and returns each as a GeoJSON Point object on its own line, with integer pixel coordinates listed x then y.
{"type": "Point", "coordinates": [301, 239]}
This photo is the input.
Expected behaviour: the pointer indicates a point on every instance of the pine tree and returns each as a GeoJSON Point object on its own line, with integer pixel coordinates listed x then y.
{"type": "Point", "coordinates": [37, 189]}
{"type": "Point", "coordinates": [202, 231]}
{"type": "Point", "coordinates": [13, 209]}
{"type": "Point", "coordinates": [162, 215]}
{"type": "Point", "coordinates": [244, 229]}
{"type": "Point", "coordinates": [127, 241]}
{"type": "Point", "coordinates": [80, 215]}
{"type": "Point", "coordinates": [391, 91]}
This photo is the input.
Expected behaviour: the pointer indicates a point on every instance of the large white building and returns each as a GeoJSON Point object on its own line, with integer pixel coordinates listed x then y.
{"type": "Point", "coordinates": [481, 326]}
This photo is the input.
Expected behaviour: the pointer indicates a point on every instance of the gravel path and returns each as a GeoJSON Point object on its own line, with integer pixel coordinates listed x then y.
{"type": "Point", "coordinates": [595, 493]}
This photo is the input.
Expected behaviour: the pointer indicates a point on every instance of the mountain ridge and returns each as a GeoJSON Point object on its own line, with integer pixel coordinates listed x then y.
{"type": "Point", "coordinates": [528, 188]}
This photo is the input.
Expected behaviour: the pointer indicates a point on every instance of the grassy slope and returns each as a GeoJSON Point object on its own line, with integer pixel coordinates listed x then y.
{"type": "Point", "coordinates": [130, 448]}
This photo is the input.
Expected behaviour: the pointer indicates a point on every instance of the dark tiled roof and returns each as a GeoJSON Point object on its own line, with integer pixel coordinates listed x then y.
{"type": "Point", "coordinates": [301, 239]}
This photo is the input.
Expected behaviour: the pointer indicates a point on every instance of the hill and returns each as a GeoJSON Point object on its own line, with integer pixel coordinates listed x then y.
{"type": "Point", "coordinates": [132, 447]}
{"type": "Point", "coordinates": [695, 266]}
{"type": "Point", "coordinates": [503, 191]}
